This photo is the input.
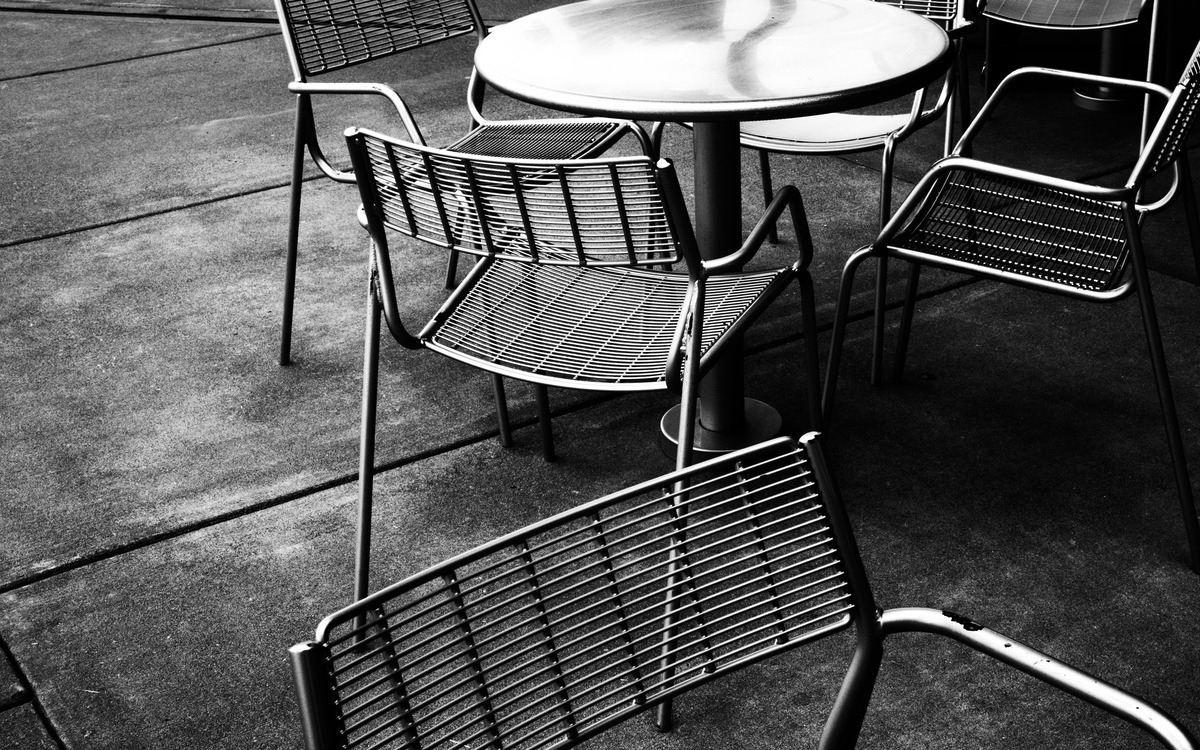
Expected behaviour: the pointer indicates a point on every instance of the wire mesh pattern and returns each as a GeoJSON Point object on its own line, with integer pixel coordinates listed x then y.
{"type": "Point", "coordinates": [543, 638]}
{"type": "Point", "coordinates": [599, 212]}
{"type": "Point", "coordinates": [943, 11]}
{"type": "Point", "coordinates": [333, 34]}
{"type": "Point", "coordinates": [613, 328]}
{"type": "Point", "coordinates": [546, 139]}
{"type": "Point", "coordinates": [1010, 226]}
{"type": "Point", "coordinates": [1069, 14]}
{"type": "Point", "coordinates": [1179, 119]}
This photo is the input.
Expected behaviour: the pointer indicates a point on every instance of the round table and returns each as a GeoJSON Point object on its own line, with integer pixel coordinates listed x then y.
{"type": "Point", "coordinates": [714, 63]}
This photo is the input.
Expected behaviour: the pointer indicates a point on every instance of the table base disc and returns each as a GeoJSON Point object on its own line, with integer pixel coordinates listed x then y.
{"type": "Point", "coordinates": [1104, 99]}
{"type": "Point", "coordinates": [762, 422]}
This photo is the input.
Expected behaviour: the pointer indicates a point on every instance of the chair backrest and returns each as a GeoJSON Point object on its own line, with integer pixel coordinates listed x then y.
{"type": "Point", "coordinates": [551, 634]}
{"type": "Point", "coordinates": [324, 36]}
{"type": "Point", "coordinates": [595, 212]}
{"type": "Point", "coordinates": [943, 12]}
{"type": "Point", "coordinates": [1169, 136]}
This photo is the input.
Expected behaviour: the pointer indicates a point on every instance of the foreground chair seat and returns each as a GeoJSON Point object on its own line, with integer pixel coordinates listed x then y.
{"type": "Point", "coordinates": [571, 285]}
{"type": "Point", "coordinates": [1046, 233]}
{"type": "Point", "coordinates": [552, 634]}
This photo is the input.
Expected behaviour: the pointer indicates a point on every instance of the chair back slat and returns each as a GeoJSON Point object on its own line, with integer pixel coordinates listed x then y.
{"type": "Point", "coordinates": [556, 632]}
{"type": "Point", "coordinates": [563, 212]}
{"type": "Point", "coordinates": [1170, 135]}
{"type": "Point", "coordinates": [943, 12]}
{"type": "Point", "coordinates": [327, 35]}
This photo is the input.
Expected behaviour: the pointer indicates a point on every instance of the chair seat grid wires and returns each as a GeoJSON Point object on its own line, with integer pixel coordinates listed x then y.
{"type": "Point", "coordinates": [534, 141]}
{"type": "Point", "coordinates": [608, 325]}
{"type": "Point", "coordinates": [1016, 227]}
{"type": "Point", "coordinates": [546, 637]}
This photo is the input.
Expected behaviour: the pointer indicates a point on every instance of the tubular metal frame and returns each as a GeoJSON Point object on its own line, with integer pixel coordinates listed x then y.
{"type": "Point", "coordinates": [557, 632]}
{"type": "Point", "coordinates": [567, 289]}
{"type": "Point", "coordinates": [977, 218]}
{"type": "Point", "coordinates": [329, 36]}
{"type": "Point", "coordinates": [811, 136]}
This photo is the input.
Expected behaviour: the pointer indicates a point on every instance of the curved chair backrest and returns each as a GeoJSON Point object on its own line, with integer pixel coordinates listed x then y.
{"type": "Point", "coordinates": [595, 212]}
{"type": "Point", "coordinates": [942, 12]}
{"type": "Point", "coordinates": [546, 637]}
{"type": "Point", "coordinates": [325, 36]}
{"type": "Point", "coordinates": [1170, 134]}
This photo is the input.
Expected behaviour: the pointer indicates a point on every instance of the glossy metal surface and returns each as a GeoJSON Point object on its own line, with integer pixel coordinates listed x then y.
{"type": "Point", "coordinates": [712, 59]}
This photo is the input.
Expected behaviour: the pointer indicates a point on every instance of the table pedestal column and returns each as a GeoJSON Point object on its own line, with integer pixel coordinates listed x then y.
{"type": "Point", "coordinates": [726, 420]}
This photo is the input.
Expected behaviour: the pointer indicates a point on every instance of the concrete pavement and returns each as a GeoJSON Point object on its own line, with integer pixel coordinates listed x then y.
{"type": "Point", "coordinates": [177, 509]}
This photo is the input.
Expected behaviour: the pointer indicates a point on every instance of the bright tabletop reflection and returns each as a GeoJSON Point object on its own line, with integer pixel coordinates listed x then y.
{"type": "Point", "coordinates": [720, 58]}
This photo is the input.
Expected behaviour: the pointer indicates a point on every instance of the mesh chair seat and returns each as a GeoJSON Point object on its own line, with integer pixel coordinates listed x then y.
{"type": "Point", "coordinates": [993, 226]}
{"type": "Point", "coordinates": [604, 328]}
{"type": "Point", "coordinates": [561, 139]}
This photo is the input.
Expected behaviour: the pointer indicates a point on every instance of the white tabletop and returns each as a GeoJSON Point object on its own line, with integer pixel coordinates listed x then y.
{"type": "Point", "coordinates": [713, 59]}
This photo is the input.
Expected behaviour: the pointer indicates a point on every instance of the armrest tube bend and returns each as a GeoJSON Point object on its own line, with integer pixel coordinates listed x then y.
{"type": "Point", "coordinates": [1045, 668]}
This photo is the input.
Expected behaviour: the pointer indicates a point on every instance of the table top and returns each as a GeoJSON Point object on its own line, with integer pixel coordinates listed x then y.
{"type": "Point", "coordinates": [713, 60]}
{"type": "Point", "coordinates": [1067, 14]}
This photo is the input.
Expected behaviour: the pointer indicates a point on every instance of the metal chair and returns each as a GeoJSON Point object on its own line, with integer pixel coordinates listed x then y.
{"type": "Point", "coordinates": [1073, 15]}
{"type": "Point", "coordinates": [879, 128]}
{"type": "Point", "coordinates": [568, 288]}
{"type": "Point", "coordinates": [323, 37]}
{"type": "Point", "coordinates": [1045, 233]}
{"type": "Point", "coordinates": [876, 129]}
{"type": "Point", "coordinates": [553, 634]}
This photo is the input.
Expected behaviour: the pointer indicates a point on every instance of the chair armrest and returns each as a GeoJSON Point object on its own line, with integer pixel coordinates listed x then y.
{"type": "Point", "coordinates": [1063, 676]}
{"type": "Point", "coordinates": [376, 89]}
{"type": "Point", "coordinates": [985, 112]}
{"type": "Point", "coordinates": [787, 197]}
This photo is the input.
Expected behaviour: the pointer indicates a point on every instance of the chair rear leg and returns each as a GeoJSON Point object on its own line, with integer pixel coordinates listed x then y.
{"type": "Point", "coordinates": [544, 421]}
{"type": "Point", "coordinates": [366, 458]}
{"type": "Point", "coordinates": [906, 318]}
{"type": "Point", "coordinates": [502, 411]}
{"type": "Point", "coordinates": [885, 212]}
{"type": "Point", "coordinates": [812, 365]}
{"type": "Point", "coordinates": [1188, 196]}
{"type": "Point", "coordinates": [764, 165]}
{"type": "Point", "coordinates": [289, 274]}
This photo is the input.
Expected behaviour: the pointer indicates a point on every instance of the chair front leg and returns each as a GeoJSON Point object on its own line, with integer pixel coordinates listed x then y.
{"type": "Point", "coordinates": [542, 396]}
{"type": "Point", "coordinates": [303, 118]}
{"type": "Point", "coordinates": [366, 455]}
{"type": "Point", "coordinates": [1166, 399]}
{"type": "Point", "coordinates": [840, 317]}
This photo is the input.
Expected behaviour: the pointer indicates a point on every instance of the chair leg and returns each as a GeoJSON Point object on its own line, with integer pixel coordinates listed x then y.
{"type": "Point", "coordinates": [452, 269]}
{"type": "Point", "coordinates": [1187, 189]}
{"type": "Point", "coordinates": [688, 398]}
{"type": "Point", "coordinates": [839, 334]}
{"type": "Point", "coordinates": [543, 406]}
{"type": "Point", "coordinates": [906, 319]}
{"type": "Point", "coordinates": [881, 278]}
{"type": "Point", "coordinates": [502, 411]}
{"type": "Point", "coordinates": [1166, 399]}
{"type": "Point", "coordinates": [289, 275]}
{"type": "Point", "coordinates": [812, 365]}
{"type": "Point", "coordinates": [764, 165]}
{"type": "Point", "coordinates": [366, 458]}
